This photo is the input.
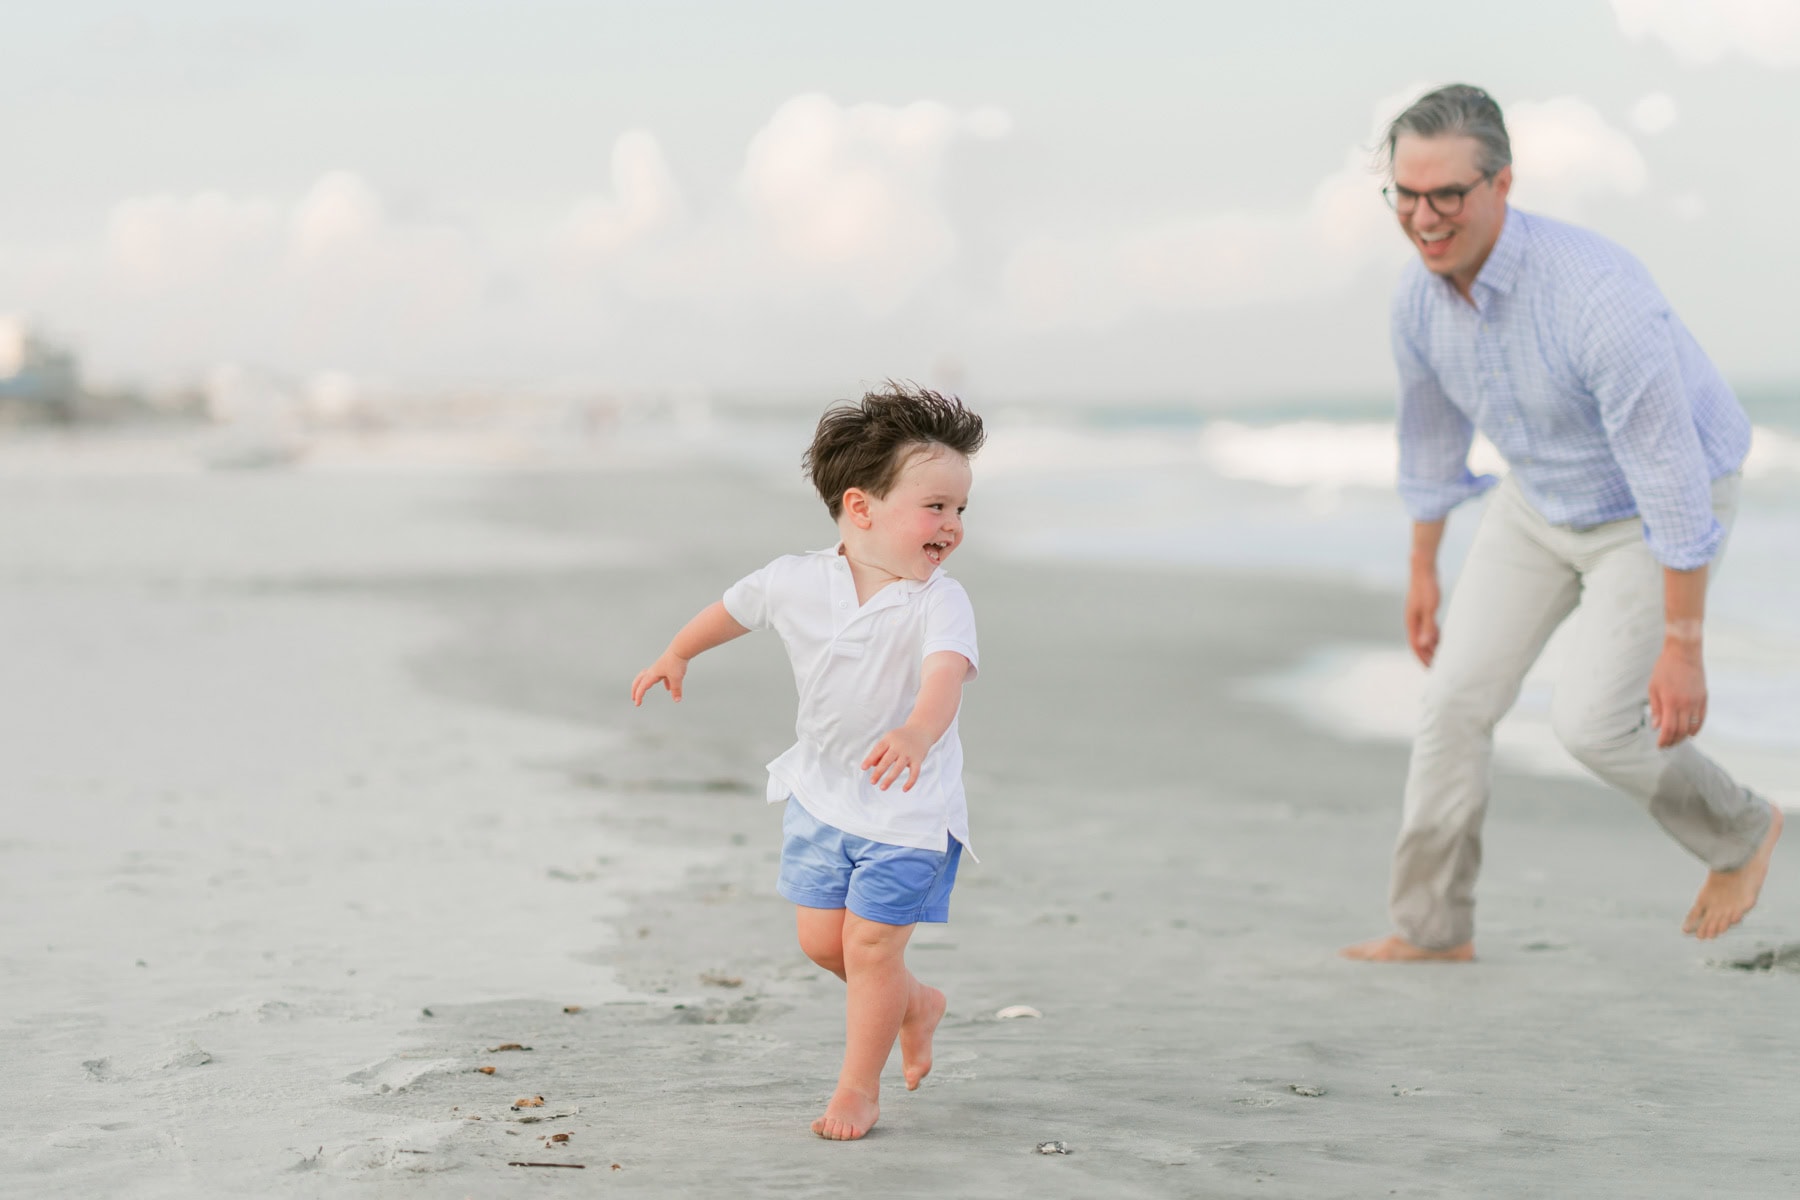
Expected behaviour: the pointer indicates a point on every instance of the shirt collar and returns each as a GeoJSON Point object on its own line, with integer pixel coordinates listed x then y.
{"type": "Point", "coordinates": [1501, 270]}
{"type": "Point", "coordinates": [835, 552]}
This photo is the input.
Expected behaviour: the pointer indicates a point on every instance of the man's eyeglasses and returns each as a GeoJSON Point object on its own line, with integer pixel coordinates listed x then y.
{"type": "Point", "coordinates": [1445, 201]}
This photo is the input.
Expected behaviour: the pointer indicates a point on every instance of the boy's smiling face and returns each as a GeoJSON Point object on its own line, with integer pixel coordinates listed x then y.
{"type": "Point", "coordinates": [912, 530]}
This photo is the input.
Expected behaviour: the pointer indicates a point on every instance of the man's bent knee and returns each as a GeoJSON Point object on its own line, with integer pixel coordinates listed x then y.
{"type": "Point", "coordinates": [1454, 713]}
{"type": "Point", "coordinates": [1597, 741]}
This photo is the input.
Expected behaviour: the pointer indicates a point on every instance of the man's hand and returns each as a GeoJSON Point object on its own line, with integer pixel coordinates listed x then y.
{"type": "Point", "coordinates": [669, 670]}
{"type": "Point", "coordinates": [899, 751]}
{"type": "Point", "coordinates": [1678, 692]}
{"type": "Point", "coordinates": [1422, 599]}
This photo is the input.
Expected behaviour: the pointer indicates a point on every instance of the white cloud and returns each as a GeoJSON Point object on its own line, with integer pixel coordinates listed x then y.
{"type": "Point", "coordinates": [837, 214]}
{"type": "Point", "coordinates": [834, 204]}
{"type": "Point", "coordinates": [324, 275]}
{"type": "Point", "coordinates": [1689, 206]}
{"type": "Point", "coordinates": [352, 272]}
{"type": "Point", "coordinates": [645, 199]}
{"type": "Point", "coordinates": [837, 220]}
{"type": "Point", "coordinates": [1564, 151]}
{"type": "Point", "coordinates": [988, 123]}
{"type": "Point", "coordinates": [1565, 155]}
{"type": "Point", "coordinates": [1700, 32]}
{"type": "Point", "coordinates": [848, 198]}
{"type": "Point", "coordinates": [1209, 261]}
{"type": "Point", "coordinates": [340, 211]}
{"type": "Point", "coordinates": [1215, 261]}
{"type": "Point", "coordinates": [1653, 113]}
{"type": "Point", "coordinates": [158, 239]}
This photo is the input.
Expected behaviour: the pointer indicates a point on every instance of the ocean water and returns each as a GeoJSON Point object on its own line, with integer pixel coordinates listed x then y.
{"type": "Point", "coordinates": [1309, 493]}
{"type": "Point", "coordinates": [1306, 491]}
{"type": "Point", "coordinates": [1300, 490]}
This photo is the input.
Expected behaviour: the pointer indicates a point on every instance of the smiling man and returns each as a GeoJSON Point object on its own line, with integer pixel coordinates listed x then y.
{"type": "Point", "coordinates": [1624, 446]}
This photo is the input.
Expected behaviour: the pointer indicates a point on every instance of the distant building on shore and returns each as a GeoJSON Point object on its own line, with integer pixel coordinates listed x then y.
{"type": "Point", "coordinates": [39, 381]}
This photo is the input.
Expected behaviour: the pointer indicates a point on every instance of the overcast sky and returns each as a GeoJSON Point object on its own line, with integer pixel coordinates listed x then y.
{"type": "Point", "coordinates": [1110, 201]}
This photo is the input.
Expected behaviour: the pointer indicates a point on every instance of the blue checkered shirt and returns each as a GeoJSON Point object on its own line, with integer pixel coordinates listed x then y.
{"type": "Point", "coordinates": [1571, 362]}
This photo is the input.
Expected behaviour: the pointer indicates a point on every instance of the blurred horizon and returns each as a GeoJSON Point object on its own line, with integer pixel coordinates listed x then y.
{"type": "Point", "coordinates": [1170, 204]}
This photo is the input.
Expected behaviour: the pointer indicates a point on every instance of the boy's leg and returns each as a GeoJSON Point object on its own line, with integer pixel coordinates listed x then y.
{"type": "Point", "coordinates": [821, 932]}
{"type": "Point", "coordinates": [885, 1002]}
{"type": "Point", "coordinates": [895, 886]}
{"type": "Point", "coordinates": [924, 1009]}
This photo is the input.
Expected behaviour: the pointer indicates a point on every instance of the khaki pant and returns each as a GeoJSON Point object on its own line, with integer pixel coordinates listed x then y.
{"type": "Point", "coordinates": [1523, 577]}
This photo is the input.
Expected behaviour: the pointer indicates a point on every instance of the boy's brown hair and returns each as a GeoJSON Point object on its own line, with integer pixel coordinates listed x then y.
{"type": "Point", "coordinates": [866, 443]}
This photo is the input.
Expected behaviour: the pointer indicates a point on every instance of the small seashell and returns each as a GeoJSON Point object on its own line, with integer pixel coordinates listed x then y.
{"type": "Point", "coordinates": [1306, 1089]}
{"type": "Point", "coordinates": [528, 1102]}
{"type": "Point", "coordinates": [1053, 1148]}
{"type": "Point", "coordinates": [485, 1070]}
{"type": "Point", "coordinates": [1013, 1012]}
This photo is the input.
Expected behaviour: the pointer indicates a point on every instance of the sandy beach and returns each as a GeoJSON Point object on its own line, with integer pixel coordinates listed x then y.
{"type": "Point", "coordinates": [322, 785]}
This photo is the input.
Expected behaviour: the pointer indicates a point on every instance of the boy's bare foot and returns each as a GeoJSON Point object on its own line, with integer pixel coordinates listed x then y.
{"type": "Point", "coordinates": [922, 1017]}
{"type": "Point", "coordinates": [849, 1115]}
{"type": "Point", "coordinates": [1394, 948]}
{"type": "Point", "coordinates": [1727, 895]}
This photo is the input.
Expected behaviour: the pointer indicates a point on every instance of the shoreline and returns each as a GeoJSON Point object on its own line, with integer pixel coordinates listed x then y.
{"type": "Point", "coordinates": [1169, 868]}
{"type": "Point", "coordinates": [1174, 917]}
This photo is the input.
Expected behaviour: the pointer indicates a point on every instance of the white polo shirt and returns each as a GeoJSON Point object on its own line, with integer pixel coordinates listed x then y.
{"type": "Point", "coordinates": [857, 670]}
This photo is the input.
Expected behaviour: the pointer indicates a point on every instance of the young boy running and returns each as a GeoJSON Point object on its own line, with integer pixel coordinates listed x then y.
{"type": "Point", "coordinates": [881, 642]}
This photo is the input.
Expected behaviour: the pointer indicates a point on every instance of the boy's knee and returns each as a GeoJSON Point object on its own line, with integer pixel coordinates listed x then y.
{"type": "Point", "coordinates": [828, 952]}
{"type": "Point", "coordinates": [830, 958]}
{"type": "Point", "coordinates": [871, 941]}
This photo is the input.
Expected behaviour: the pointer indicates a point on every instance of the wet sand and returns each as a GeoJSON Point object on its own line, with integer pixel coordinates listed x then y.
{"type": "Point", "coordinates": [1168, 866]}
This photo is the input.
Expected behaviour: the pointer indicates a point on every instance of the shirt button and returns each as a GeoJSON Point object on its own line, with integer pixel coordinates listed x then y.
{"type": "Point", "coordinates": [843, 604]}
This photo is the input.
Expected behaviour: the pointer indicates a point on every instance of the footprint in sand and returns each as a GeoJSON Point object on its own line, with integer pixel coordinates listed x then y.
{"type": "Point", "coordinates": [1778, 958]}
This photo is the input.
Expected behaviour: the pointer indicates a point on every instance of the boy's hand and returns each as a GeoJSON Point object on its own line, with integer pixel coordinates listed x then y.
{"type": "Point", "coordinates": [899, 751]}
{"type": "Point", "coordinates": [669, 670]}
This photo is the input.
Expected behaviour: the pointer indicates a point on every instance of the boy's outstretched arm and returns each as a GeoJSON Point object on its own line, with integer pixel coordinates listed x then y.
{"type": "Point", "coordinates": [713, 627]}
{"type": "Point", "coordinates": [904, 749]}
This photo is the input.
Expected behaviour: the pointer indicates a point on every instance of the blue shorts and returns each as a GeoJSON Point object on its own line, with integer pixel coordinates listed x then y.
{"type": "Point", "coordinates": [824, 867]}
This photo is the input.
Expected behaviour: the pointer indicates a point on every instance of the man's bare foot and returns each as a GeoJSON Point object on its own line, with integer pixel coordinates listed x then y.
{"type": "Point", "coordinates": [922, 1017]}
{"type": "Point", "coordinates": [1727, 895]}
{"type": "Point", "coordinates": [1394, 948]}
{"type": "Point", "coordinates": [849, 1115]}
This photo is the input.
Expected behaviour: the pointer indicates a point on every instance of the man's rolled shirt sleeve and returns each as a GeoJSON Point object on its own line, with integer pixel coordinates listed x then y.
{"type": "Point", "coordinates": [1435, 436]}
{"type": "Point", "coordinates": [1626, 351]}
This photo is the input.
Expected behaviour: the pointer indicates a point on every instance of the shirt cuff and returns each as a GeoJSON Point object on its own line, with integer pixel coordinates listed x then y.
{"type": "Point", "coordinates": [1689, 555]}
{"type": "Point", "coordinates": [1433, 501]}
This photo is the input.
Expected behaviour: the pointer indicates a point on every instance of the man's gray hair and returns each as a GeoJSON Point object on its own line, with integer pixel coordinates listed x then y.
{"type": "Point", "coordinates": [1456, 111]}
